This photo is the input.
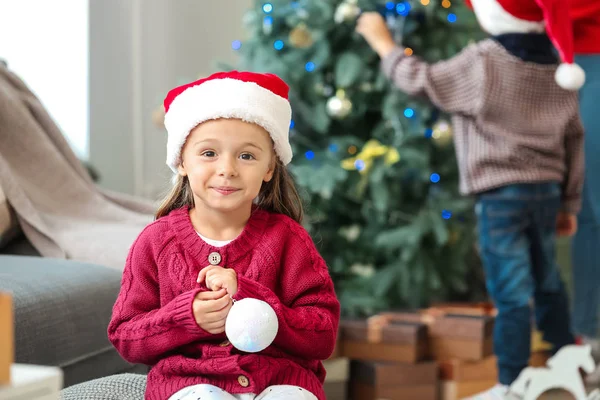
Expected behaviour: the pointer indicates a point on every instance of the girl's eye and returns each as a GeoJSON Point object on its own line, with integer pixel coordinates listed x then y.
{"type": "Point", "coordinates": [247, 156]}
{"type": "Point", "coordinates": [208, 153]}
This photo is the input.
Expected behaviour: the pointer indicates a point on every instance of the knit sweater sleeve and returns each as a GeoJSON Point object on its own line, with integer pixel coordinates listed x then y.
{"type": "Point", "coordinates": [140, 328]}
{"type": "Point", "coordinates": [307, 309]}
{"type": "Point", "coordinates": [455, 85]}
{"type": "Point", "coordinates": [572, 186]}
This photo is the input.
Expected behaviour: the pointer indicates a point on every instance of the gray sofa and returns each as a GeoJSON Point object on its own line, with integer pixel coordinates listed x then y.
{"type": "Point", "coordinates": [62, 309]}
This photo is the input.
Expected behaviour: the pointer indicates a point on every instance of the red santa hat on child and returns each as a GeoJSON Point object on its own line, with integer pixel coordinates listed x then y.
{"type": "Point", "coordinates": [257, 98]}
{"type": "Point", "coordinates": [525, 16]}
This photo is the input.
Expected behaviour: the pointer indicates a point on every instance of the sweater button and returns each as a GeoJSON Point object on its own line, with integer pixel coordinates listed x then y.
{"type": "Point", "coordinates": [225, 343]}
{"type": "Point", "coordinates": [214, 258]}
{"type": "Point", "coordinates": [243, 381]}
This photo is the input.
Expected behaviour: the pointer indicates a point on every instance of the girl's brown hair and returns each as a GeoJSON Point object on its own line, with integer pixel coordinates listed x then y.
{"type": "Point", "coordinates": [181, 195]}
{"type": "Point", "coordinates": [279, 195]}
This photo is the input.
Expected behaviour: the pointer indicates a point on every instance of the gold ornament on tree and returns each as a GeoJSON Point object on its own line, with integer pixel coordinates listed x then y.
{"type": "Point", "coordinates": [301, 37]}
{"type": "Point", "coordinates": [442, 133]}
{"type": "Point", "coordinates": [339, 106]}
{"type": "Point", "coordinates": [347, 11]}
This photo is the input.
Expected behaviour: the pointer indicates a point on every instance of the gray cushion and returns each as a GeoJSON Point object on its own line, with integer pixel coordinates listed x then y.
{"type": "Point", "coordinates": [62, 310]}
{"type": "Point", "coordinates": [117, 387]}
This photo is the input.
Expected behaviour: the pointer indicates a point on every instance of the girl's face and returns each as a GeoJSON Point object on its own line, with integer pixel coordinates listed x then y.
{"type": "Point", "coordinates": [226, 162]}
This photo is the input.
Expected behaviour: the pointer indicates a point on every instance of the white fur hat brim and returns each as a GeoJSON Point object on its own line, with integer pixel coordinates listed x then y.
{"type": "Point", "coordinates": [227, 98]}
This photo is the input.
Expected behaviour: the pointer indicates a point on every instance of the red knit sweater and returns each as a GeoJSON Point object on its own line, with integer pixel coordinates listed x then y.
{"type": "Point", "coordinates": [586, 25]}
{"type": "Point", "coordinates": [275, 260]}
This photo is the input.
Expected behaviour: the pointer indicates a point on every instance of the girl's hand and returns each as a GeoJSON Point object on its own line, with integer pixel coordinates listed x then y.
{"type": "Point", "coordinates": [210, 310]}
{"type": "Point", "coordinates": [566, 224]}
{"type": "Point", "coordinates": [217, 277]}
{"type": "Point", "coordinates": [372, 27]}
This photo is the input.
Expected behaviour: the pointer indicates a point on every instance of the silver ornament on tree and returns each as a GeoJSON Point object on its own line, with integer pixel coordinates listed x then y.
{"type": "Point", "coordinates": [347, 11]}
{"type": "Point", "coordinates": [327, 90]}
{"type": "Point", "coordinates": [302, 14]}
{"type": "Point", "coordinates": [339, 106]}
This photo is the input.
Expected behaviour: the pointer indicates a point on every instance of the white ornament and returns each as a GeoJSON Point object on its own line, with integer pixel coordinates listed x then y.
{"type": "Point", "coordinates": [351, 233]}
{"type": "Point", "coordinates": [302, 13]}
{"type": "Point", "coordinates": [251, 325]}
{"type": "Point", "coordinates": [346, 12]}
{"type": "Point", "coordinates": [339, 106]}
{"type": "Point", "coordinates": [562, 373]}
{"type": "Point", "coordinates": [363, 270]}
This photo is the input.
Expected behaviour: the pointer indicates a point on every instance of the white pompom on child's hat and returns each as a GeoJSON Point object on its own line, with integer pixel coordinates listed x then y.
{"type": "Point", "coordinates": [525, 16]}
{"type": "Point", "coordinates": [257, 98]}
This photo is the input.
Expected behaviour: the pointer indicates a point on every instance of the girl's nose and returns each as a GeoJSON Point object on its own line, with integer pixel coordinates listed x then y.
{"type": "Point", "coordinates": [227, 167]}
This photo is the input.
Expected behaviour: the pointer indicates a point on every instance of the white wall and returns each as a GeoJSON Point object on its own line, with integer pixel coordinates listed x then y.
{"type": "Point", "coordinates": [139, 49]}
{"type": "Point", "coordinates": [46, 44]}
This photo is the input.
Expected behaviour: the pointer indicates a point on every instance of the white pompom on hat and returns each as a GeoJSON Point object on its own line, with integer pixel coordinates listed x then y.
{"type": "Point", "coordinates": [526, 16]}
{"type": "Point", "coordinates": [257, 98]}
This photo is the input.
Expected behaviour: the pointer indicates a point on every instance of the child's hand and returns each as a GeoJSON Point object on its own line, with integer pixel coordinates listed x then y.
{"type": "Point", "coordinates": [217, 277]}
{"type": "Point", "coordinates": [566, 224]}
{"type": "Point", "coordinates": [372, 27]}
{"type": "Point", "coordinates": [210, 310]}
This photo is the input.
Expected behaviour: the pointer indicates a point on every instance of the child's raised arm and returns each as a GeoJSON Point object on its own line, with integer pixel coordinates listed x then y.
{"type": "Point", "coordinates": [455, 85]}
{"type": "Point", "coordinates": [307, 308]}
{"type": "Point", "coordinates": [140, 329]}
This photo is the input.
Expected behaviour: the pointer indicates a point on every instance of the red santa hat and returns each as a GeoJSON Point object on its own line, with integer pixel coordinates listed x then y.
{"type": "Point", "coordinates": [526, 16]}
{"type": "Point", "coordinates": [257, 98]}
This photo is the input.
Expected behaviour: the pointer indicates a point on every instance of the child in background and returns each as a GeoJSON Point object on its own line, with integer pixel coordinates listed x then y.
{"type": "Point", "coordinates": [229, 230]}
{"type": "Point", "coordinates": [519, 144]}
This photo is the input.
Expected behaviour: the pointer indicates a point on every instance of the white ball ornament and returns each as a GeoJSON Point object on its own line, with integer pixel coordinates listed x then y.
{"type": "Point", "coordinates": [339, 106]}
{"type": "Point", "coordinates": [251, 325]}
{"type": "Point", "coordinates": [346, 12]}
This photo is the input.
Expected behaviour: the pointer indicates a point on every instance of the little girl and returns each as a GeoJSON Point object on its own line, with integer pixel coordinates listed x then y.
{"type": "Point", "coordinates": [229, 230]}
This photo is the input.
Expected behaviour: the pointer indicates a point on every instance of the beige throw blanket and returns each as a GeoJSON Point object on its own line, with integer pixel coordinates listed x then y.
{"type": "Point", "coordinates": [60, 209]}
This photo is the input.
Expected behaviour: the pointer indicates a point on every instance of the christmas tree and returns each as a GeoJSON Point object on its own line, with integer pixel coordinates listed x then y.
{"type": "Point", "coordinates": [377, 169]}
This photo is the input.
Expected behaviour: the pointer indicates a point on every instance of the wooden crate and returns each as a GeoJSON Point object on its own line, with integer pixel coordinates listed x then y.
{"type": "Point", "coordinates": [460, 331]}
{"type": "Point", "coordinates": [401, 339]}
{"type": "Point", "coordinates": [393, 381]}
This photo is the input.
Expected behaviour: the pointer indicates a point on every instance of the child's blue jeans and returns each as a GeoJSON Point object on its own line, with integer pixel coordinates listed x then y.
{"type": "Point", "coordinates": [516, 226]}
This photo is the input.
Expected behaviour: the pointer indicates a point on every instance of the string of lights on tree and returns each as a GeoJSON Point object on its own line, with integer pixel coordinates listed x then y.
{"type": "Point", "coordinates": [375, 167]}
{"type": "Point", "coordinates": [339, 105]}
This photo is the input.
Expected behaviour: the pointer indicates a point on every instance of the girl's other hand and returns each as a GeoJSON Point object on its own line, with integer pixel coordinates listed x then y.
{"type": "Point", "coordinates": [211, 309]}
